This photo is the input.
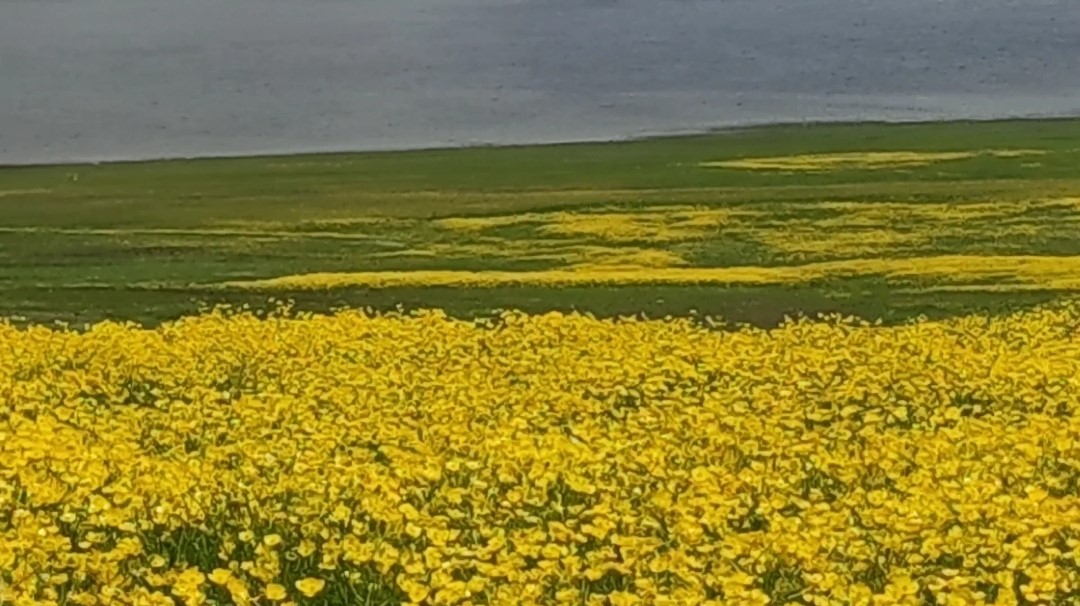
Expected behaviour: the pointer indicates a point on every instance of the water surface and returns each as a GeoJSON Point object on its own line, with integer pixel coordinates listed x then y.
{"type": "Point", "coordinates": [121, 79]}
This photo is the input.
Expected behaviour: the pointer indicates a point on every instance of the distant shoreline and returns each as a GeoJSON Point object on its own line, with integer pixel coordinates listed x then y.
{"type": "Point", "coordinates": [644, 136]}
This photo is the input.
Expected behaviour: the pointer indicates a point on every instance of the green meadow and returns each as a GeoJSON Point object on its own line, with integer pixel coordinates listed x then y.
{"type": "Point", "coordinates": [879, 221]}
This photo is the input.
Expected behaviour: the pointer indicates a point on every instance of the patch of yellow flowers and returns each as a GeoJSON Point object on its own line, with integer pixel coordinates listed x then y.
{"type": "Point", "coordinates": [551, 459]}
{"type": "Point", "coordinates": [863, 160]}
{"type": "Point", "coordinates": [997, 273]}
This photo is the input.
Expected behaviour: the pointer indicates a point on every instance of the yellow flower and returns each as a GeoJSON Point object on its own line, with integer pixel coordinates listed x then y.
{"type": "Point", "coordinates": [551, 551]}
{"type": "Point", "coordinates": [58, 579]}
{"type": "Point", "coordinates": [476, 584]}
{"type": "Point", "coordinates": [275, 592]}
{"type": "Point", "coordinates": [306, 548]}
{"type": "Point", "coordinates": [272, 540]}
{"type": "Point", "coordinates": [238, 590]}
{"type": "Point", "coordinates": [622, 598]}
{"type": "Point", "coordinates": [340, 513]}
{"type": "Point", "coordinates": [416, 591]}
{"type": "Point", "coordinates": [310, 587]}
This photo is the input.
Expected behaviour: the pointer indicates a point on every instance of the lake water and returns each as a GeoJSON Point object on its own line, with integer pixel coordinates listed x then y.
{"type": "Point", "coordinates": [116, 79]}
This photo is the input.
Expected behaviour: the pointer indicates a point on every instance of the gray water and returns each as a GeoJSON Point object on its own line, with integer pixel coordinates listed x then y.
{"type": "Point", "coordinates": [126, 79]}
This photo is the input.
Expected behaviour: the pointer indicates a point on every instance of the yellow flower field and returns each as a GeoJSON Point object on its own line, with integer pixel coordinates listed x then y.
{"type": "Point", "coordinates": [552, 459]}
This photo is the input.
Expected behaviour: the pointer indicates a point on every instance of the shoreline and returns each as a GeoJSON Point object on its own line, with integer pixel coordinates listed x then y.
{"type": "Point", "coordinates": [720, 130]}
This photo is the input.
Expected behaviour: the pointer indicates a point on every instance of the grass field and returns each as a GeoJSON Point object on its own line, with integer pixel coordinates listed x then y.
{"type": "Point", "coordinates": [889, 221]}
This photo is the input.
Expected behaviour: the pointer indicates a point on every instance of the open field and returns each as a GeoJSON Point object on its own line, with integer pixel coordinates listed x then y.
{"type": "Point", "coordinates": [881, 221]}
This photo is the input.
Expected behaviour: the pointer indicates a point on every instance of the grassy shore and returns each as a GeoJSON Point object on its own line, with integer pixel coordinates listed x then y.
{"type": "Point", "coordinates": [933, 219]}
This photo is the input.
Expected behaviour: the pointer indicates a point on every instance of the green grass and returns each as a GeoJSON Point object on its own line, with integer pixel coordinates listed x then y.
{"type": "Point", "coordinates": [148, 241]}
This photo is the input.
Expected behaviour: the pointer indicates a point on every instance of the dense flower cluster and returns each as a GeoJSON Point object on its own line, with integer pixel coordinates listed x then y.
{"type": "Point", "coordinates": [552, 459]}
